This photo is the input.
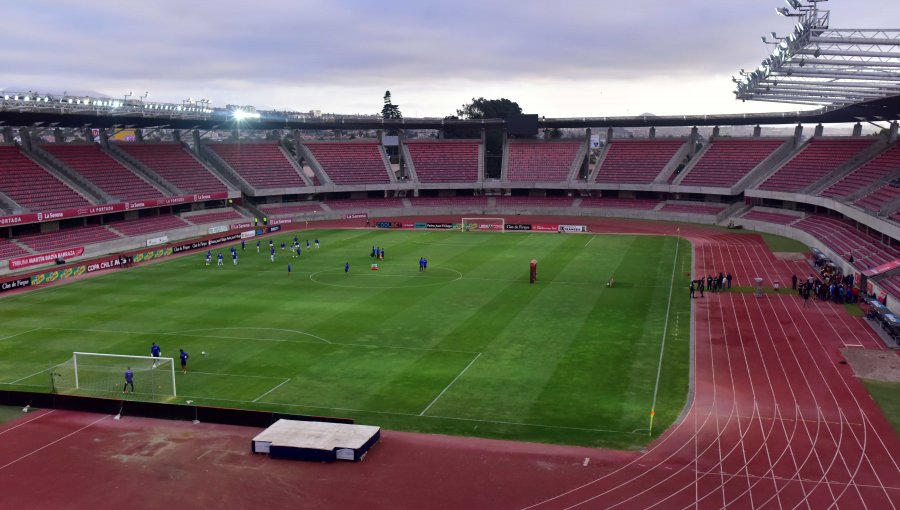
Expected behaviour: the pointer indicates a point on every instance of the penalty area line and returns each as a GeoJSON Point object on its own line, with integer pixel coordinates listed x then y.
{"type": "Point", "coordinates": [441, 394]}
{"type": "Point", "coordinates": [282, 383]}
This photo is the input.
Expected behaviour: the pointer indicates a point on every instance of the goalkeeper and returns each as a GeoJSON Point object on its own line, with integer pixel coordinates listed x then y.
{"type": "Point", "coordinates": [155, 352]}
{"type": "Point", "coordinates": [129, 381]}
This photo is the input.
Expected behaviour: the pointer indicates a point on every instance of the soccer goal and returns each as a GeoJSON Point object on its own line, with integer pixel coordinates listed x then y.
{"type": "Point", "coordinates": [487, 224]}
{"type": "Point", "coordinates": [104, 374]}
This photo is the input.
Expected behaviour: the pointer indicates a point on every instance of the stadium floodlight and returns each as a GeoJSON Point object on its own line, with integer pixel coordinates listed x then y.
{"type": "Point", "coordinates": [794, 3]}
{"type": "Point", "coordinates": [242, 114]}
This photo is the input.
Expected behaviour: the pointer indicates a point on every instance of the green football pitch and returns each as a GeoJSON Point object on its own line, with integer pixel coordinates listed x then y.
{"type": "Point", "coordinates": [468, 347]}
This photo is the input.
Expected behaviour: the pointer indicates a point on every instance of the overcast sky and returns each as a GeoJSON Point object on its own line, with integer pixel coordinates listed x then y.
{"type": "Point", "coordinates": [562, 58]}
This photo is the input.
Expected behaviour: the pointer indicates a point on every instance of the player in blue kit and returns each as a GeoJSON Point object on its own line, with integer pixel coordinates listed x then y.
{"type": "Point", "coordinates": [129, 381]}
{"type": "Point", "coordinates": [347, 268]}
{"type": "Point", "coordinates": [257, 246]}
{"type": "Point", "coordinates": [208, 257]}
{"type": "Point", "coordinates": [272, 254]}
{"type": "Point", "coordinates": [234, 257]}
{"type": "Point", "coordinates": [289, 268]}
{"type": "Point", "coordinates": [282, 245]}
{"type": "Point", "coordinates": [307, 244]}
{"type": "Point", "coordinates": [317, 244]}
{"type": "Point", "coordinates": [155, 352]}
{"type": "Point", "coordinates": [183, 356]}
{"type": "Point", "coordinates": [220, 260]}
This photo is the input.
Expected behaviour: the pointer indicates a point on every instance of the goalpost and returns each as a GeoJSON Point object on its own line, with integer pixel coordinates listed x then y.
{"type": "Point", "coordinates": [486, 224]}
{"type": "Point", "coordinates": [97, 373]}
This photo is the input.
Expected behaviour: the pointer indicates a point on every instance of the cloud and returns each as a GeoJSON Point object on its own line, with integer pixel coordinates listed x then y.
{"type": "Point", "coordinates": [253, 52]}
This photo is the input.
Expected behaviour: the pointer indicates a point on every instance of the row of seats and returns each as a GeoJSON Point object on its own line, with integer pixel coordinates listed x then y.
{"type": "Point", "coordinates": [149, 225]}
{"type": "Point", "coordinates": [262, 165]}
{"type": "Point", "coordinates": [876, 169]}
{"type": "Point", "coordinates": [351, 163]}
{"type": "Point", "coordinates": [708, 209]}
{"type": "Point", "coordinates": [214, 216]}
{"type": "Point", "coordinates": [891, 284]}
{"type": "Point", "coordinates": [620, 203]}
{"type": "Point", "coordinates": [846, 240]}
{"type": "Point", "coordinates": [534, 201]}
{"type": "Point", "coordinates": [103, 171]}
{"type": "Point", "coordinates": [31, 186]}
{"type": "Point", "coordinates": [173, 163]}
{"type": "Point", "coordinates": [68, 238]}
{"type": "Point", "coordinates": [445, 161]}
{"type": "Point", "coordinates": [289, 209]}
{"type": "Point", "coordinates": [726, 161]}
{"type": "Point", "coordinates": [467, 201]}
{"type": "Point", "coordinates": [541, 161]}
{"type": "Point", "coordinates": [877, 199]}
{"type": "Point", "coordinates": [10, 250]}
{"type": "Point", "coordinates": [820, 157]}
{"type": "Point", "coordinates": [770, 217]}
{"type": "Point", "coordinates": [636, 161]}
{"type": "Point", "coordinates": [361, 204]}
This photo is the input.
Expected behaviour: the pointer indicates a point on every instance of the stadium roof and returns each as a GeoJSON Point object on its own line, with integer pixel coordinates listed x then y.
{"type": "Point", "coordinates": [823, 66]}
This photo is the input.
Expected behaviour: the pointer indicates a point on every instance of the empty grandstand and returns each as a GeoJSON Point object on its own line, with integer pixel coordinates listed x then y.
{"type": "Point", "coordinates": [639, 161]}
{"type": "Point", "coordinates": [445, 161]}
{"type": "Point", "coordinates": [262, 165]}
{"type": "Point", "coordinates": [175, 164]}
{"type": "Point", "coordinates": [31, 186]}
{"type": "Point", "coordinates": [530, 161]}
{"type": "Point", "coordinates": [352, 163]}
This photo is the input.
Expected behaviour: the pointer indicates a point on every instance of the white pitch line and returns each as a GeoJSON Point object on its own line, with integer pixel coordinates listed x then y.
{"type": "Point", "coordinates": [237, 375]}
{"type": "Point", "coordinates": [589, 241]}
{"type": "Point", "coordinates": [441, 394]}
{"type": "Point", "coordinates": [36, 373]}
{"type": "Point", "coordinates": [273, 389]}
{"type": "Point", "coordinates": [53, 442]}
{"type": "Point", "coordinates": [19, 334]}
{"type": "Point", "coordinates": [662, 347]}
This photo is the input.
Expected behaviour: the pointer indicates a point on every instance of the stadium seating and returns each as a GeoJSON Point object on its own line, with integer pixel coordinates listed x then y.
{"type": "Point", "coordinates": [172, 162]}
{"type": "Point", "coordinates": [620, 203]}
{"type": "Point", "coordinates": [770, 217]}
{"type": "Point", "coordinates": [708, 209]}
{"type": "Point", "coordinates": [262, 165]}
{"type": "Point", "coordinates": [10, 250]}
{"type": "Point", "coordinates": [725, 162]}
{"type": "Point", "coordinates": [534, 201]}
{"type": "Point", "coordinates": [103, 171]}
{"type": "Point", "coordinates": [290, 209]}
{"type": "Point", "coordinates": [362, 204]}
{"type": "Point", "coordinates": [67, 238]}
{"type": "Point", "coordinates": [815, 161]}
{"type": "Point", "coordinates": [876, 169]}
{"type": "Point", "coordinates": [148, 225]}
{"type": "Point", "coordinates": [636, 161]}
{"type": "Point", "coordinates": [351, 162]}
{"type": "Point", "coordinates": [31, 186]}
{"type": "Point", "coordinates": [214, 216]}
{"type": "Point", "coordinates": [445, 161]}
{"type": "Point", "coordinates": [877, 199]}
{"type": "Point", "coordinates": [468, 201]}
{"type": "Point", "coordinates": [541, 161]}
{"type": "Point", "coordinates": [844, 239]}
{"type": "Point", "coordinates": [891, 284]}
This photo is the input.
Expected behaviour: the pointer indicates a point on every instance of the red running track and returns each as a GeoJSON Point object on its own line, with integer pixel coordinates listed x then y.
{"type": "Point", "coordinates": [775, 422]}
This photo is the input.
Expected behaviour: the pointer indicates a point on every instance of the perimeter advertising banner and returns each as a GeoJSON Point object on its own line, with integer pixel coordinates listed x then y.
{"type": "Point", "coordinates": [443, 226]}
{"type": "Point", "coordinates": [280, 221]}
{"type": "Point", "coordinates": [573, 228]}
{"type": "Point", "coordinates": [545, 227]}
{"type": "Point", "coordinates": [43, 258]}
{"type": "Point", "coordinates": [102, 265]}
{"type": "Point", "coordinates": [517, 226]}
{"type": "Point", "coordinates": [62, 274]}
{"type": "Point", "coordinates": [356, 216]}
{"type": "Point", "coordinates": [14, 284]}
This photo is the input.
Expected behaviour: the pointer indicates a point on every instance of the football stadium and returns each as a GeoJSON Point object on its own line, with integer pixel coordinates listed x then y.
{"type": "Point", "coordinates": [493, 309]}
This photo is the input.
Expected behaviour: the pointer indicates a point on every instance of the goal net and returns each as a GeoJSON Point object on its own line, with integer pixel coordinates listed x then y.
{"type": "Point", "coordinates": [104, 375]}
{"type": "Point", "coordinates": [486, 224]}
